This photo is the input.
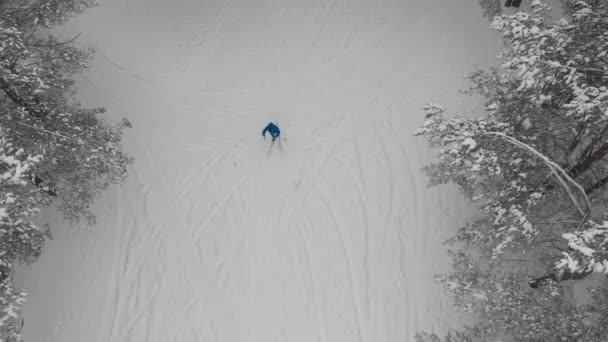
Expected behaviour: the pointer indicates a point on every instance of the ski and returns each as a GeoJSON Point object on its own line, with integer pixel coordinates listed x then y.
{"type": "Point", "coordinates": [270, 149]}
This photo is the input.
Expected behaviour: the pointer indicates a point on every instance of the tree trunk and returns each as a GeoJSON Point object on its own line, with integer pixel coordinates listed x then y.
{"type": "Point", "coordinates": [583, 166]}
{"type": "Point", "coordinates": [596, 186]}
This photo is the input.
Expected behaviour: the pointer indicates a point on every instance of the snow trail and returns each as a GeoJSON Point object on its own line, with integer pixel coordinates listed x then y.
{"type": "Point", "coordinates": [333, 238]}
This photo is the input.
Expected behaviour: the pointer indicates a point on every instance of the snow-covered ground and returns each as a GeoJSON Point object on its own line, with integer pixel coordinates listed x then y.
{"type": "Point", "coordinates": [333, 237]}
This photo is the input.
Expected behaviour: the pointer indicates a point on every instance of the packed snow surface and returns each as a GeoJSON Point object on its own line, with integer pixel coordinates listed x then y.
{"type": "Point", "coordinates": [332, 236]}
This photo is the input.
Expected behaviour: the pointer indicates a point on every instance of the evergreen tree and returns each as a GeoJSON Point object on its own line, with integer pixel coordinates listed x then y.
{"type": "Point", "coordinates": [51, 147]}
{"type": "Point", "coordinates": [536, 167]}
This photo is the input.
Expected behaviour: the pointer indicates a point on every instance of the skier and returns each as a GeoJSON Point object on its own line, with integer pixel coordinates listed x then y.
{"type": "Point", "coordinates": [273, 130]}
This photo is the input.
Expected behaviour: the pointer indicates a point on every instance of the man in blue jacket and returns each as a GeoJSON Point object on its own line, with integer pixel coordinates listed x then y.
{"type": "Point", "coordinates": [273, 130]}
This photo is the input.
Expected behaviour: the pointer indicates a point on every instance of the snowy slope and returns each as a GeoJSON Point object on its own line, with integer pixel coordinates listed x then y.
{"type": "Point", "coordinates": [334, 237]}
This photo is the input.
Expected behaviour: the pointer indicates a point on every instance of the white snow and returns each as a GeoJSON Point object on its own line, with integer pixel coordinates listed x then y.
{"type": "Point", "coordinates": [470, 143]}
{"type": "Point", "coordinates": [334, 237]}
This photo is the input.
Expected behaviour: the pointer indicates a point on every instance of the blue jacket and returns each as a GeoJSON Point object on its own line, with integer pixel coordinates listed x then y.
{"type": "Point", "coordinates": [272, 129]}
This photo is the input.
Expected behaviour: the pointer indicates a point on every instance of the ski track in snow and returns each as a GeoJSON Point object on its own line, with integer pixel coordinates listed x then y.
{"type": "Point", "coordinates": [332, 237]}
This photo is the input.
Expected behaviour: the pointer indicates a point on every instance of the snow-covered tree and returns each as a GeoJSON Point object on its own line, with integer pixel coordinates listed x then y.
{"type": "Point", "coordinates": [540, 152]}
{"type": "Point", "coordinates": [536, 167]}
{"type": "Point", "coordinates": [506, 307]}
{"type": "Point", "coordinates": [51, 148]}
{"type": "Point", "coordinates": [491, 8]}
{"type": "Point", "coordinates": [20, 238]}
{"type": "Point", "coordinates": [83, 154]}
{"type": "Point", "coordinates": [11, 300]}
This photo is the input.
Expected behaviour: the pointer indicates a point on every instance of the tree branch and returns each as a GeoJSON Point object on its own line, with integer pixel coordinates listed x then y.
{"type": "Point", "coordinates": [560, 174]}
{"type": "Point", "coordinates": [31, 33]}
{"type": "Point", "coordinates": [46, 131]}
{"type": "Point", "coordinates": [593, 157]}
{"type": "Point", "coordinates": [42, 61]}
{"type": "Point", "coordinates": [56, 44]}
{"type": "Point", "coordinates": [11, 93]}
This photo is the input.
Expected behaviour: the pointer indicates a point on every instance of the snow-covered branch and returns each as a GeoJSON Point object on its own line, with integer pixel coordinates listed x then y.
{"type": "Point", "coordinates": [560, 174]}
